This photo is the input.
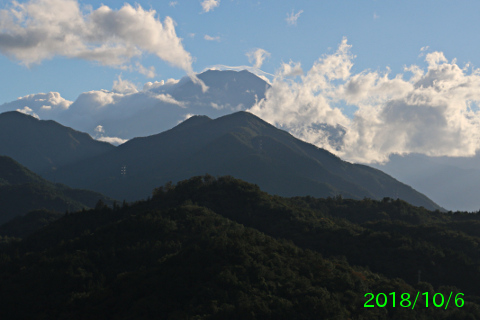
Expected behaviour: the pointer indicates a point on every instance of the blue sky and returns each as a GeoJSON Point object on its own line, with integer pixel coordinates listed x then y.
{"type": "Point", "coordinates": [382, 33]}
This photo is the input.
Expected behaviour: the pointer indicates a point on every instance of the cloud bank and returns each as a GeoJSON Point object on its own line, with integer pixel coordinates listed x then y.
{"type": "Point", "coordinates": [42, 29]}
{"type": "Point", "coordinates": [433, 111]}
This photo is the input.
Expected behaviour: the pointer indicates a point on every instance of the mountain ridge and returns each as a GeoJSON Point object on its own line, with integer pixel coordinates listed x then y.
{"type": "Point", "coordinates": [22, 191]}
{"type": "Point", "coordinates": [238, 144]}
{"type": "Point", "coordinates": [44, 145]}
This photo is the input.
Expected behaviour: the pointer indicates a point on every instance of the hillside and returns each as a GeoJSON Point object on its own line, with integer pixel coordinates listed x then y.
{"type": "Point", "coordinates": [22, 191]}
{"type": "Point", "coordinates": [42, 146]}
{"type": "Point", "coordinates": [241, 145]}
{"type": "Point", "coordinates": [197, 250]}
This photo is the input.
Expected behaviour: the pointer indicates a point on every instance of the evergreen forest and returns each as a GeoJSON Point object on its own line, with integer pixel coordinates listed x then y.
{"type": "Point", "coordinates": [220, 248]}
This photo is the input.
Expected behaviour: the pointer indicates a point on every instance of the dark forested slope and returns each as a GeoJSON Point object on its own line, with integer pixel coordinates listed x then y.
{"type": "Point", "coordinates": [211, 248]}
{"type": "Point", "coordinates": [22, 191]}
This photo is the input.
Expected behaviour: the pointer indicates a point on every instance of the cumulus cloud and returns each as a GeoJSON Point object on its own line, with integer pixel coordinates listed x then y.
{"type": "Point", "coordinates": [433, 111]}
{"type": "Point", "coordinates": [291, 69]}
{"type": "Point", "coordinates": [27, 110]}
{"type": "Point", "coordinates": [293, 17]}
{"type": "Point", "coordinates": [41, 29]}
{"type": "Point", "coordinates": [173, 3]}
{"type": "Point", "coordinates": [124, 86]}
{"type": "Point", "coordinates": [301, 106]}
{"type": "Point", "coordinates": [40, 105]}
{"type": "Point", "coordinates": [208, 5]}
{"type": "Point", "coordinates": [257, 56]}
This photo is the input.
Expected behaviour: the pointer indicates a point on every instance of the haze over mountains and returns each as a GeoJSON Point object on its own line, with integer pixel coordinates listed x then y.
{"type": "Point", "coordinates": [452, 182]}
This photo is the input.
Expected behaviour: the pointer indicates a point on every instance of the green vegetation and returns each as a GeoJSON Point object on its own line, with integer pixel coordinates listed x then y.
{"type": "Point", "coordinates": [220, 248]}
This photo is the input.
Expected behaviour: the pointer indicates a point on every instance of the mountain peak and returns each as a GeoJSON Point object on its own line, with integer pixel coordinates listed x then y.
{"type": "Point", "coordinates": [16, 115]}
{"type": "Point", "coordinates": [42, 145]}
{"type": "Point", "coordinates": [195, 120]}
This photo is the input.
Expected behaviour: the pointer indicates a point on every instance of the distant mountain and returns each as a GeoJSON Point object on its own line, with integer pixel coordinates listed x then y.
{"type": "Point", "coordinates": [228, 91]}
{"type": "Point", "coordinates": [43, 146]}
{"type": "Point", "coordinates": [22, 191]}
{"type": "Point", "coordinates": [450, 182]}
{"type": "Point", "coordinates": [241, 145]}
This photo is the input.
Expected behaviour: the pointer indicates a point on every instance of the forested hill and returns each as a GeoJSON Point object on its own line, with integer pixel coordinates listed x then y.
{"type": "Point", "coordinates": [220, 248]}
{"type": "Point", "coordinates": [22, 191]}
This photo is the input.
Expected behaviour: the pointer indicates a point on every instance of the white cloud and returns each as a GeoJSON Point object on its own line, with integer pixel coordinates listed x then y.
{"type": "Point", "coordinates": [257, 56]}
{"type": "Point", "coordinates": [424, 48]}
{"type": "Point", "coordinates": [99, 129]}
{"type": "Point", "coordinates": [124, 86]}
{"type": "Point", "coordinates": [375, 16]}
{"type": "Point", "coordinates": [148, 72]}
{"type": "Point", "coordinates": [173, 3]}
{"type": "Point", "coordinates": [42, 29]}
{"type": "Point", "coordinates": [165, 85]}
{"type": "Point", "coordinates": [433, 111]}
{"type": "Point", "coordinates": [168, 99]}
{"type": "Point", "coordinates": [210, 38]}
{"type": "Point", "coordinates": [293, 17]}
{"type": "Point", "coordinates": [100, 136]}
{"type": "Point", "coordinates": [43, 105]}
{"type": "Point", "coordinates": [113, 140]}
{"type": "Point", "coordinates": [208, 5]}
{"type": "Point", "coordinates": [27, 110]}
{"type": "Point", "coordinates": [291, 69]}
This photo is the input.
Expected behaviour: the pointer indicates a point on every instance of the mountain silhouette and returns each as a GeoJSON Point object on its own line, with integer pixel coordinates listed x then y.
{"type": "Point", "coordinates": [241, 145]}
{"type": "Point", "coordinates": [43, 146]}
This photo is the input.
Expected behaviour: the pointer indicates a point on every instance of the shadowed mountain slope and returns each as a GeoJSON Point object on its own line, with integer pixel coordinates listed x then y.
{"type": "Point", "coordinates": [241, 145]}
{"type": "Point", "coordinates": [22, 191]}
{"type": "Point", "coordinates": [43, 146]}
